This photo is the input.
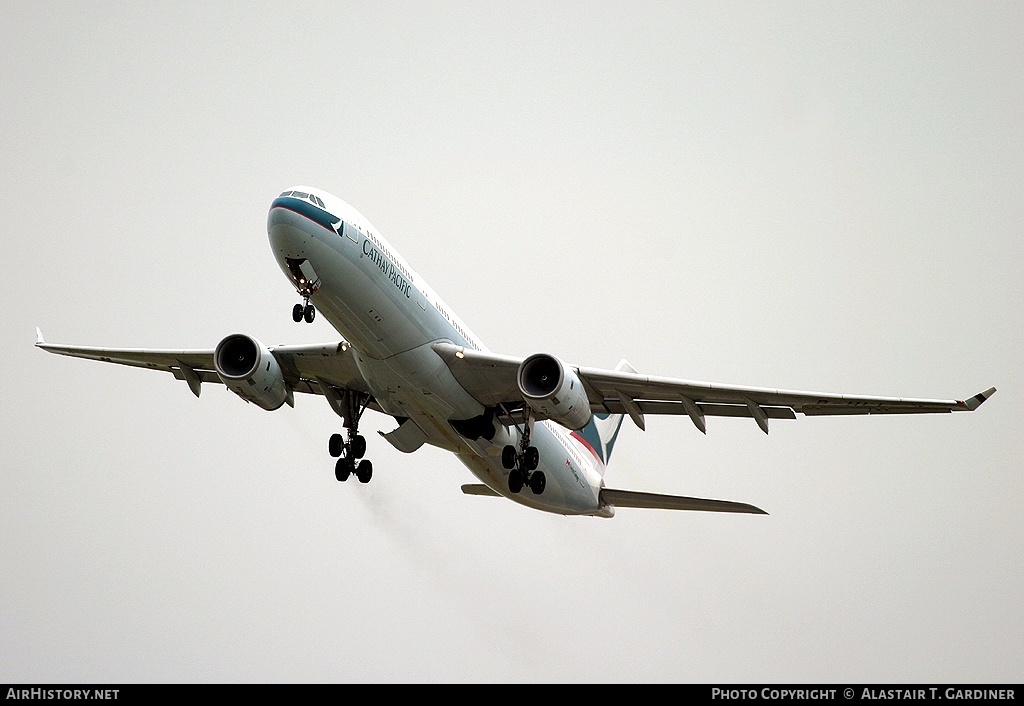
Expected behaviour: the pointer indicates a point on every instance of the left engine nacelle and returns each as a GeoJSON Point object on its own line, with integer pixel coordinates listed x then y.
{"type": "Point", "coordinates": [251, 371]}
{"type": "Point", "coordinates": [553, 389]}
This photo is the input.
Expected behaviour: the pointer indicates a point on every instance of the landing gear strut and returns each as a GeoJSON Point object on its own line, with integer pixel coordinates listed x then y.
{"type": "Point", "coordinates": [349, 452]}
{"type": "Point", "coordinates": [523, 462]}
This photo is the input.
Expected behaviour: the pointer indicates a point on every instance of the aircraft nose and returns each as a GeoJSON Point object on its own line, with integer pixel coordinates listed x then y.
{"type": "Point", "coordinates": [277, 216]}
{"type": "Point", "coordinates": [286, 229]}
{"type": "Point", "coordinates": [296, 218]}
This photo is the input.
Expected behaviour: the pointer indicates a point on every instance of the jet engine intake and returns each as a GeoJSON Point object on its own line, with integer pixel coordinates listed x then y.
{"type": "Point", "coordinates": [553, 390]}
{"type": "Point", "coordinates": [251, 371]}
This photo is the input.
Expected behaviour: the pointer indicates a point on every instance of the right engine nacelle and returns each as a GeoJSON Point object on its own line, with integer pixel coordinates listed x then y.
{"type": "Point", "coordinates": [250, 370]}
{"type": "Point", "coordinates": [553, 390]}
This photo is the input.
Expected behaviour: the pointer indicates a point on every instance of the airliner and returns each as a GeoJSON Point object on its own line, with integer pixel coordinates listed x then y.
{"type": "Point", "coordinates": [535, 430]}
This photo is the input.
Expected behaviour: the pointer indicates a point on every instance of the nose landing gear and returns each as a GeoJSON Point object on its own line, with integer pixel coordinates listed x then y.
{"type": "Point", "coordinates": [306, 283]}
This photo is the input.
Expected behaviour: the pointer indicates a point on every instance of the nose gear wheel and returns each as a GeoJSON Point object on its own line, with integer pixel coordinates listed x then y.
{"type": "Point", "coordinates": [304, 311]}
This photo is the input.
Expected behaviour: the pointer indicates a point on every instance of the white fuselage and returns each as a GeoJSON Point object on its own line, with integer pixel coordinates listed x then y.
{"type": "Point", "coordinates": [391, 318]}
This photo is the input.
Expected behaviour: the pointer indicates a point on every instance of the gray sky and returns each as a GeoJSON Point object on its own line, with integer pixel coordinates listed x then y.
{"type": "Point", "coordinates": [811, 196]}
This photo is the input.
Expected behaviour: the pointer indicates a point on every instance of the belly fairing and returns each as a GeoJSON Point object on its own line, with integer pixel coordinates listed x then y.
{"type": "Point", "coordinates": [572, 485]}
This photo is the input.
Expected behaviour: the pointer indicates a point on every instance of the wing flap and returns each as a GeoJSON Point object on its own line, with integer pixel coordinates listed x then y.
{"type": "Point", "coordinates": [710, 410]}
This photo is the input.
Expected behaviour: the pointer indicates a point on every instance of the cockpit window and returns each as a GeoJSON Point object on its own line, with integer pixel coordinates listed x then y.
{"type": "Point", "coordinates": [302, 195]}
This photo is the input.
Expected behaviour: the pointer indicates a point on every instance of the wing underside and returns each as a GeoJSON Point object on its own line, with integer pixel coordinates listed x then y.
{"type": "Point", "coordinates": [317, 369]}
{"type": "Point", "coordinates": [330, 370]}
{"type": "Point", "coordinates": [492, 380]}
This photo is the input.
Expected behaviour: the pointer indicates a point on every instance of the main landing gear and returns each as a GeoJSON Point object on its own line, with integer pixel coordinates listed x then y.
{"type": "Point", "coordinates": [350, 457]}
{"type": "Point", "coordinates": [522, 464]}
{"type": "Point", "coordinates": [349, 451]}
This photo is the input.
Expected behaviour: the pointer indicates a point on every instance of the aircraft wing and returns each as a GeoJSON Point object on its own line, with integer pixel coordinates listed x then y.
{"type": "Point", "coordinates": [491, 379]}
{"type": "Point", "coordinates": [306, 368]}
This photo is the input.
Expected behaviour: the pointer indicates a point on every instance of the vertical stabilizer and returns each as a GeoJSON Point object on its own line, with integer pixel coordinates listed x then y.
{"type": "Point", "coordinates": [600, 434]}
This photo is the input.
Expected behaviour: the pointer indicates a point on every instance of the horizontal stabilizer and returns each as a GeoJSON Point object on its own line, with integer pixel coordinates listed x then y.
{"type": "Point", "coordinates": [632, 498]}
{"type": "Point", "coordinates": [479, 489]}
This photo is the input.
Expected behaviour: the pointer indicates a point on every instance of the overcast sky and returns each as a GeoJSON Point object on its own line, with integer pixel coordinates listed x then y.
{"type": "Point", "coordinates": [819, 196]}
